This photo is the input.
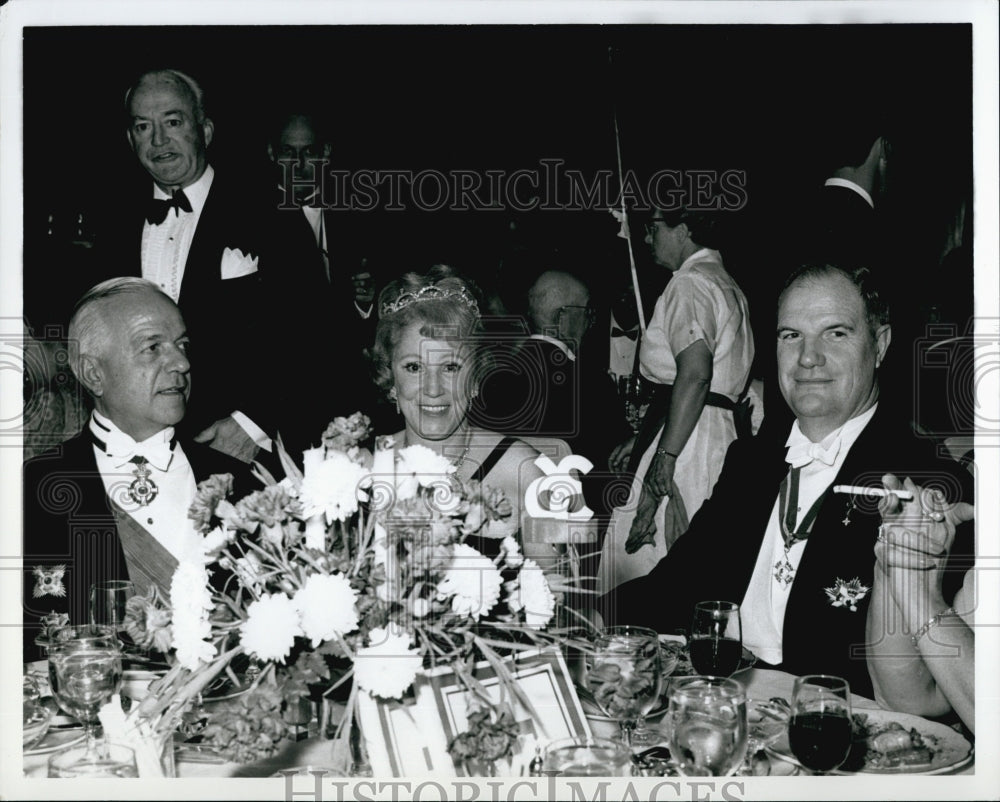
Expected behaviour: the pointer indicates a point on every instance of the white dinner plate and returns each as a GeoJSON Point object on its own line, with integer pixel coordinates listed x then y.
{"type": "Point", "coordinates": [951, 750]}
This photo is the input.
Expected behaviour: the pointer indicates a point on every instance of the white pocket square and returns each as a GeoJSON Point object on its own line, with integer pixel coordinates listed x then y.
{"type": "Point", "coordinates": [236, 264]}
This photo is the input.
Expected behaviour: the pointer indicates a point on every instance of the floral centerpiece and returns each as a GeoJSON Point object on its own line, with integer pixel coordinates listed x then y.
{"type": "Point", "coordinates": [323, 575]}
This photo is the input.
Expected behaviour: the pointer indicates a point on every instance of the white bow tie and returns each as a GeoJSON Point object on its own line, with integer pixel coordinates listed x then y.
{"type": "Point", "coordinates": [121, 448]}
{"type": "Point", "coordinates": [801, 454]}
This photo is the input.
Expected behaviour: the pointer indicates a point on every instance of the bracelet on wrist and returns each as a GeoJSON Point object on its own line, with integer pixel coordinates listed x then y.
{"type": "Point", "coordinates": [929, 625]}
{"type": "Point", "coordinates": [664, 453]}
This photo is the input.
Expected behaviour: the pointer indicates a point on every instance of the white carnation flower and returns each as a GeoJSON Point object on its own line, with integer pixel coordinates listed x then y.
{"type": "Point", "coordinates": [191, 602]}
{"type": "Point", "coordinates": [472, 581]}
{"type": "Point", "coordinates": [511, 550]}
{"type": "Point", "coordinates": [419, 466]}
{"type": "Point", "coordinates": [217, 539]}
{"type": "Point", "coordinates": [388, 666]}
{"type": "Point", "coordinates": [271, 626]}
{"type": "Point", "coordinates": [533, 595]}
{"type": "Point", "coordinates": [327, 606]}
{"type": "Point", "coordinates": [330, 485]}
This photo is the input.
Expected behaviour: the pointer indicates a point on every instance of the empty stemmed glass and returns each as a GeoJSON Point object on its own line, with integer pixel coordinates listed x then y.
{"type": "Point", "coordinates": [767, 720]}
{"type": "Point", "coordinates": [623, 674]}
{"type": "Point", "coordinates": [85, 671]}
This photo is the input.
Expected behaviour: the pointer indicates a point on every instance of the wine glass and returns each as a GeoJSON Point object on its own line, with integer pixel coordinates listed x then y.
{"type": "Point", "coordinates": [708, 726]}
{"type": "Point", "coordinates": [716, 643]}
{"type": "Point", "coordinates": [819, 732]}
{"type": "Point", "coordinates": [107, 603]}
{"type": "Point", "coordinates": [623, 675]}
{"type": "Point", "coordinates": [85, 671]}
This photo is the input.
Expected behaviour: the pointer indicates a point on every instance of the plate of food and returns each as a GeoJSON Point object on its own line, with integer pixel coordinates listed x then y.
{"type": "Point", "coordinates": [897, 743]}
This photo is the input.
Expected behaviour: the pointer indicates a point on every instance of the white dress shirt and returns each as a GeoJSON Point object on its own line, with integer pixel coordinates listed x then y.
{"type": "Point", "coordinates": [165, 246]}
{"type": "Point", "coordinates": [165, 517]}
{"type": "Point", "coordinates": [762, 612]}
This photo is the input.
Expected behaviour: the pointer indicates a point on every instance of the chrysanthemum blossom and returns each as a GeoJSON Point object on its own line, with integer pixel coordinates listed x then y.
{"type": "Point", "coordinates": [271, 626]}
{"type": "Point", "coordinates": [471, 581]}
{"type": "Point", "coordinates": [327, 607]}
{"type": "Point", "coordinates": [418, 466]}
{"type": "Point", "coordinates": [191, 602]}
{"type": "Point", "coordinates": [533, 595]}
{"type": "Point", "coordinates": [331, 486]}
{"type": "Point", "coordinates": [388, 666]}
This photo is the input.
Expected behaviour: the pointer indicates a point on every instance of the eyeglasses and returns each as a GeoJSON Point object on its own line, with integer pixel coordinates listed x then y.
{"type": "Point", "coordinates": [589, 312]}
{"type": "Point", "coordinates": [651, 224]}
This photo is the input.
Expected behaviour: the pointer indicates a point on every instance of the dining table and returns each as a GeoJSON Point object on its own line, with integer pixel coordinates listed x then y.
{"type": "Point", "coordinates": [318, 752]}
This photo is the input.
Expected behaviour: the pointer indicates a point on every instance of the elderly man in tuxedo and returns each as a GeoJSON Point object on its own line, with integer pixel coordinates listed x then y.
{"type": "Point", "coordinates": [112, 502]}
{"type": "Point", "coordinates": [210, 245]}
{"type": "Point", "coordinates": [773, 536]}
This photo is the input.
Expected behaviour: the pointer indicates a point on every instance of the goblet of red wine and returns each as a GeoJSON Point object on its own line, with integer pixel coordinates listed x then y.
{"type": "Point", "coordinates": [716, 642]}
{"type": "Point", "coordinates": [819, 732]}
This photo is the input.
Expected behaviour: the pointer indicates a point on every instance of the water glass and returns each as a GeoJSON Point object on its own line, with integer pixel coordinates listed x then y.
{"type": "Point", "coordinates": [623, 675]}
{"type": "Point", "coordinates": [107, 603]}
{"type": "Point", "coordinates": [708, 726]}
{"type": "Point", "coordinates": [585, 756]}
{"type": "Point", "coordinates": [111, 760]}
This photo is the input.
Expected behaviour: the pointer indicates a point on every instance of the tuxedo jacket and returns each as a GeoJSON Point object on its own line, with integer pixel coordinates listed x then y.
{"type": "Point", "coordinates": [69, 520]}
{"type": "Point", "coordinates": [254, 338]}
{"type": "Point", "coordinates": [715, 558]}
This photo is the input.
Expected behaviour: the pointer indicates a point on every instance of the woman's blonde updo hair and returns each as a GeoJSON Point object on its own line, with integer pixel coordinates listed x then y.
{"type": "Point", "coordinates": [444, 304]}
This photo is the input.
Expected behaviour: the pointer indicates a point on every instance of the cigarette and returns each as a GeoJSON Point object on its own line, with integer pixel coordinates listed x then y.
{"type": "Point", "coordinates": [877, 492]}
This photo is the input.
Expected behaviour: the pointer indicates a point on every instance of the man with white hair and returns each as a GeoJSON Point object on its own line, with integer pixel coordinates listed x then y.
{"type": "Point", "coordinates": [209, 244]}
{"type": "Point", "coordinates": [112, 502]}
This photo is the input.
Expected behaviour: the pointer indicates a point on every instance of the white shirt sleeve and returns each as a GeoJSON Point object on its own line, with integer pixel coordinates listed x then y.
{"type": "Point", "coordinates": [253, 430]}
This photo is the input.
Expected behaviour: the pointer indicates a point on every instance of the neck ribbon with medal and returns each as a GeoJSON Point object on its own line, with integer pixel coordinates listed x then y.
{"type": "Point", "coordinates": [143, 489]}
{"type": "Point", "coordinates": [788, 498]}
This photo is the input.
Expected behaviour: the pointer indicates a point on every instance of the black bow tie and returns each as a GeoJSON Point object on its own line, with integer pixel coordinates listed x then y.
{"type": "Point", "coordinates": [157, 210]}
{"type": "Point", "coordinates": [617, 332]}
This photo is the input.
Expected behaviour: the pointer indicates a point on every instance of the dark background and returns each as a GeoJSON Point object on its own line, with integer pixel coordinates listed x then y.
{"type": "Point", "coordinates": [752, 98]}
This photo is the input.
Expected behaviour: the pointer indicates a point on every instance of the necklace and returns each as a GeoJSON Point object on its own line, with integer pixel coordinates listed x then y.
{"type": "Point", "coordinates": [458, 463]}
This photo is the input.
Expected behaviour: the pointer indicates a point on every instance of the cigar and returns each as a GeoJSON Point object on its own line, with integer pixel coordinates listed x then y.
{"type": "Point", "coordinates": [876, 492]}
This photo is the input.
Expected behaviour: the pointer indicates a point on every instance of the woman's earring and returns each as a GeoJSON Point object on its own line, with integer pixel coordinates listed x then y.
{"type": "Point", "coordinates": [394, 397]}
{"type": "Point", "coordinates": [475, 391]}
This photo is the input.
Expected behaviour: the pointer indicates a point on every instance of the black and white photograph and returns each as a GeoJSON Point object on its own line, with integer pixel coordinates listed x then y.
{"type": "Point", "coordinates": [354, 349]}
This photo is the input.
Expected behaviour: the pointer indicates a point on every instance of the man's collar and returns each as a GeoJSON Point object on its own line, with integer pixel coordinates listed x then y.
{"type": "Point", "coordinates": [557, 343]}
{"type": "Point", "coordinates": [694, 257]}
{"type": "Point", "coordinates": [103, 427]}
{"type": "Point", "coordinates": [197, 193]}
{"type": "Point", "coordinates": [848, 430]}
{"type": "Point", "coordinates": [848, 184]}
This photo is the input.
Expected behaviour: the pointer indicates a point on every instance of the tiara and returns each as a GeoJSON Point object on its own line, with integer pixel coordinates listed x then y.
{"type": "Point", "coordinates": [431, 293]}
